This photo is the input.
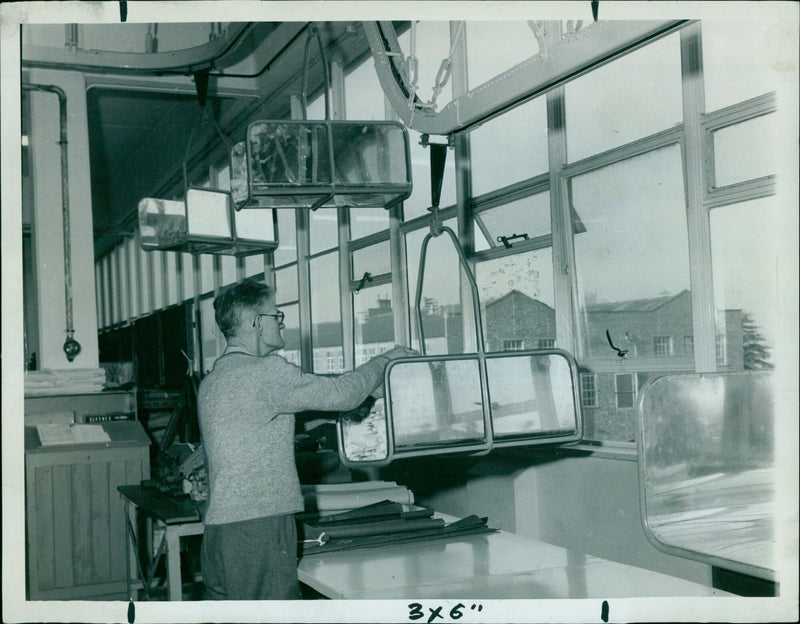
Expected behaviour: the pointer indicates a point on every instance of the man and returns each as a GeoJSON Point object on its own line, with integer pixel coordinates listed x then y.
{"type": "Point", "coordinates": [246, 408]}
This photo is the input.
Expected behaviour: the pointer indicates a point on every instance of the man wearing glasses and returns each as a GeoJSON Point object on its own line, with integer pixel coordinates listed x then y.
{"type": "Point", "coordinates": [246, 408]}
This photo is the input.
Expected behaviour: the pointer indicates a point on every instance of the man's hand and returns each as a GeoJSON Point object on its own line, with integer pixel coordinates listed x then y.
{"type": "Point", "coordinates": [400, 351]}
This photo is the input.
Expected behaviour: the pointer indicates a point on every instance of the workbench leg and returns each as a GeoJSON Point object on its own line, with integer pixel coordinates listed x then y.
{"type": "Point", "coordinates": [129, 549]}
{"type": "Point", "coordinates": [174, 563]}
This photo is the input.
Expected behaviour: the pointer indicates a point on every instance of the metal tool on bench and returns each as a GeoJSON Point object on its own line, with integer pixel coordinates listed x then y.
{"type": "Point", "coordinates": [321, 540]}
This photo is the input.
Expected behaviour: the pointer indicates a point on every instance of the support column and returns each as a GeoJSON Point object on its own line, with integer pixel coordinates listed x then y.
{"type": "Point", "coordinates": [48, 226]}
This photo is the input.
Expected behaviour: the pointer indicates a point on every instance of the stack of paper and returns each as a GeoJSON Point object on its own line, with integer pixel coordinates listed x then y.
{"type": "Point", "coordinates": [51, 435]}
{"type": "Point", "coordinates": [336, 497]}
{"type": "Point", "coordinates": [66, 381]}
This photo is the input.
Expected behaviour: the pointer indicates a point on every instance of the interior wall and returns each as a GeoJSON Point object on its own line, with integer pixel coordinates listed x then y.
{"type": "Point", "coordinates": [585, 502]}
{"type": "Point", "coordinates": [47, 228]}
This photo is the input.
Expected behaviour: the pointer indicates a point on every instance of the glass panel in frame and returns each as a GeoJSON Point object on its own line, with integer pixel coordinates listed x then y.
{"type": "Point", "coordinates": [518, 301]}
{"type": "Point", "coordinates": [745, 259]}
{"type": "Point", "coordinates": [326, 316]}
{"type": "Point", "coordinates": [746, 150]}
{"type": "Point", "coordinates": [510, 148]}
{"type": "Point", "coordinates": [375, 260]}
{"type": "Point", "coordinates": [707, 466]}
{"type": "Point", "coordinates": [531, 395]}
{"type": "Point", "coordinates": [435, 404]}
{"type": "Point", "coordinates": [617, 103]}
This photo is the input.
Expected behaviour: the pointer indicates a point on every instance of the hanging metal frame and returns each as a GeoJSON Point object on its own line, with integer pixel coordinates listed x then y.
{"type": "Point", "coordinates": [209, 244]}
{"type": "Point", "coordinates": [297, 159]}
{"type": "Point", "coordinates": [563, 59]}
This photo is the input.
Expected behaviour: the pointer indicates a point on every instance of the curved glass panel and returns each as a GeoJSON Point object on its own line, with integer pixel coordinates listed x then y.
{"type": "Point", "coordinates": [708, 473]}
{"type": "Point", "coordinates": [531, 394]}
{"type": "Point", "coordinates": [365, 441]}
{"type": "Point", "coordinates": [435, 403]}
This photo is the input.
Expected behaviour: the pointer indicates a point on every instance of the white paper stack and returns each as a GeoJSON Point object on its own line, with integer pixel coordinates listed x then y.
{"type": "Point", "coordinates": [344, 496]}
{"type": "Point", "coordinates": [64, 381]}
{"type": "Point", "coordinates": [53, 435]}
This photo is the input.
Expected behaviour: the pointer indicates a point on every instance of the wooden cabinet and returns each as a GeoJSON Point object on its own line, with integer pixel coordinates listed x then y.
{"type": "Point", "coordinates": [76, 541]}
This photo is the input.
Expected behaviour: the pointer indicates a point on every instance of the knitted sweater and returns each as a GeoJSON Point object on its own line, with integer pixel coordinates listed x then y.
{"type": "Point", "coordinates": [246, 408]}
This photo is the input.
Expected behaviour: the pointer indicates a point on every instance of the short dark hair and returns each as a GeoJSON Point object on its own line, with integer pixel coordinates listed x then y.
{"type": "Point", "coordinates": [245, 296]}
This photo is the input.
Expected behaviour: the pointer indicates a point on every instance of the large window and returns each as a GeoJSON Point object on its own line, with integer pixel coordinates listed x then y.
{"type": "Point", "coordinates": [594, 229]}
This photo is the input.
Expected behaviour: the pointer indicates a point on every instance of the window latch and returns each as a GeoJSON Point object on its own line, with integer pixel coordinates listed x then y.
{"type": "Point", "coordinates": [506, 240]}
{"type": "Point", "coordinates": [367, 277]}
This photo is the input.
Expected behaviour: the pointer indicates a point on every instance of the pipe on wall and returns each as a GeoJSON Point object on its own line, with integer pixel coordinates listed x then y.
{"type": "Point", "coordinates": [71, 346]}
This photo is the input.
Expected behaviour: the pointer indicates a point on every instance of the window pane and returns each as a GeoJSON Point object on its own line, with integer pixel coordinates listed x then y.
{"type": "Point", "coordinates": [171, 275]}
{"type": "Point", "coordinates": [145, 258]}
{"type": "Point", "coordinates": [374, 260]}
{"type": "Point", "coordinates": [510, 148]}
{"type": "Point", "coordinates": [441, 306]}
{"type": "Point", "coordinates": [291, 334]}
{"type": "Point", "coordinates": [287, 238]}
{"type": "Point", "coordinates": [112, 284]}
{"type": "Point", "coordinates": [530, 394]}
{"type": "Point", "coordinates": [324, 229]}
{"type": "Point", "coordinates": [436, 403]}
{"type": "Point", "coordinates": [633, 275]}
{"type": "Point", "coordinates": [420, 200]}
{"type": "Point", "coordinates": [99, 296]}
{"type": "Point", "coordinates": [745, 150]}
{"type": "Point", "coordinates": [514, 38]}
{"type": "Point", "coordinates": [213, 341]}
{"type": "Point", "coordinates": [254, 265]}
{"type": "Point", "coordinates": [326, 313]}
{"type": "Point", "coordinates": [188, 275]}
{"type": "Point", "coordinates": [286, 284]}
{"type": "Point", "coordinates": [223, 177]}
{"type": "Point", "coordinates": [742, 59]}
{"type": "Point", "coordinates": [374, 322]}
{"type": "Point", "coordinates": [130, 253]}
{"type": "Point", "coordinates": [629, 98]}
{"type": "Point", "coordinates": [517, 301]}
{"type": "Point", "coordinates": [157, 258]}
{"type": "Point", "coordinates": [530, 215]}
{"type": "Point", "coordinates": [365, 221]}
{"type": "Point", "coordinates": [108, 300]}
{"type": "Point", "coordinates": [316, 108]}
{"type": "Point", "coordinates": [744, 260]}
{"type": "Point", "coordinates": [228, 270]}
{"type": "Point", "coordinates": [206, 273]}
{"type": "Point", "coordinates": [363, 93]}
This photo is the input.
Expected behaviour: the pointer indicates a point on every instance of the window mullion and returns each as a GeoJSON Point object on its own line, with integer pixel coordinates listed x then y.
{"type": "Point", "coordinates": [564, 286]}
{"type": "Point", "coordinates": [345, 291]}
{"type": "Point", "coordinates": [397, 250]}
{"type": "Point", "coordinates": [466, 229]}
{"type": "Point", "coordinates": [696, 171]}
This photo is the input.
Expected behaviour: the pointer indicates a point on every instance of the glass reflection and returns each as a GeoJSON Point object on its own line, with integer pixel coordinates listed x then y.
{"type": "Point", "coordinates": [531, 393]}
{"type": "Point", "coordinates": [366, 440]}
{"type": "Point", "coordinates": [436, 403]}
{"type": "Point", "coordinates": [708, 462]}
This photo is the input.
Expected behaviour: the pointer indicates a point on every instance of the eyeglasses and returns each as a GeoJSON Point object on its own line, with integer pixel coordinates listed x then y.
{"type": "Point", "coordinates": [278, 316]}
